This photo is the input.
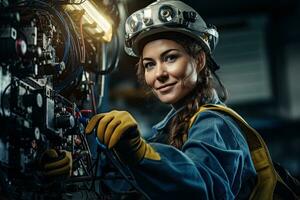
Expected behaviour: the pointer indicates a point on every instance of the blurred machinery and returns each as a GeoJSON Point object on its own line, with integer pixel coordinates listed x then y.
{"type": "Point", "coordinates": [53, 58]}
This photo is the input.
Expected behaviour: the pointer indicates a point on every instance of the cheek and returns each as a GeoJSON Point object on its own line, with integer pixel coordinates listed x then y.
{"type": "Point", "coordinates": [188, 74]}
{"type": "Point", "coordinates": [182, 68]}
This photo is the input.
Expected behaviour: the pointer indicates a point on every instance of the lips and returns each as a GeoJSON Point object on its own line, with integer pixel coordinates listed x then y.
{"type": "Point", "coordinates": [165, 87]}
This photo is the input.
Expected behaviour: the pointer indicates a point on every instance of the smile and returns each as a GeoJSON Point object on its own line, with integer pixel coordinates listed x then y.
{"type": "Point", "coordinates": [165, 88]}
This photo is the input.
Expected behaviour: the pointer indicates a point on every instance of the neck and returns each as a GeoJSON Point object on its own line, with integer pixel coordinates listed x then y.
{"type": "Point", "coordinates": [183, 101]}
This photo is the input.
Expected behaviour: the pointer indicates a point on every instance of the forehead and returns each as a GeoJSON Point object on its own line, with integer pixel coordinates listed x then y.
{"type": "Point", "coordinates": [157, 47]}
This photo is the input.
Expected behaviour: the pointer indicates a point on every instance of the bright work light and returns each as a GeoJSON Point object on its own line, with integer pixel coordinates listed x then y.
{"type": "Point", "coordinates": [96, 22]}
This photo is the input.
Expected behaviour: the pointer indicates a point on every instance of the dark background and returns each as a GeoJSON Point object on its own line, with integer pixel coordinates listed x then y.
{"type": "Point", "coordinates": [258, 52]}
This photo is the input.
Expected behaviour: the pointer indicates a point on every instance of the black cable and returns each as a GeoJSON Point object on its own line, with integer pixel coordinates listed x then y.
{"type": "Point", "coordinates": [94, 103]}
{"type": "Point", "coordinates": [56, 94]}
{"type": "Point", "coordinates": [2, 99]}
{"type": "Point", "coordinates": [120, 166]}
{"type": "Point", "coordinates": [92, 93]}
{"type": "Point", "coordinates": [73, 47]}
{"type": "Point", "coordinates": [82, 1]}
{"type": "Point", "coordinates": [45, 6]}
{"type": "Point", "coordinates": [82, 164]}
{"type": "Point", "coordinates": [69, 79]}
{"type": "Point", "coordinates": [96, 167]}
{"type": "Point", "coordinates": [73, 60]}
{"type": "Point", "coordinates": [115, 61]}
{"type": "Point", "coordinates": [86, 146]}
{"type": "Point", "coordinates": [222, 87]}
{"type": "Point", "coordinates": [63, 2]}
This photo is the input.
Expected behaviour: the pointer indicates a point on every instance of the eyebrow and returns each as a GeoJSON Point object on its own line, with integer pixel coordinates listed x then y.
{"type": "Point", "coordinates": [161, 55]}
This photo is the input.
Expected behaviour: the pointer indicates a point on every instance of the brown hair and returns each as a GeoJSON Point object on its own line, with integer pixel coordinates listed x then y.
{"type": "Point", "coordinates": [201, 94]}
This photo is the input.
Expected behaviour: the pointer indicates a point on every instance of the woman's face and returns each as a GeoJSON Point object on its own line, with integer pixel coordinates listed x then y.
{"type": "Point", "coordinates": [169, 70]}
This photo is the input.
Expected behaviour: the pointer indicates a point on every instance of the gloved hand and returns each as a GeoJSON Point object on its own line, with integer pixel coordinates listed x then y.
{"type": "Point", "coordinates": [53, 163]}
{"type": "Point", "coordinates": [118, 130]}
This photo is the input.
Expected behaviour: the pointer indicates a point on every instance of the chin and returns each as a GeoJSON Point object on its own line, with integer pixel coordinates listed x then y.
{"type": "Point", "coordinates": [167, 100]}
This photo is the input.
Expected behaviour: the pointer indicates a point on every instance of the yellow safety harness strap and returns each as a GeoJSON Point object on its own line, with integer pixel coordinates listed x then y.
{"type": "Point", "coordinates": [267, 177]}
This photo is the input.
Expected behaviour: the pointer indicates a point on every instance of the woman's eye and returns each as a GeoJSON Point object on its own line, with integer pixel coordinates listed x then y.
{"type": "Point", "coordinates": [148, 65]}
{"type": "Point", "coordinates": [171, 58]}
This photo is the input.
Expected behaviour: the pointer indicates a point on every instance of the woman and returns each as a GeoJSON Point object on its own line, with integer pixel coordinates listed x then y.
{"type": "Point", "coordinates": [206, 159]}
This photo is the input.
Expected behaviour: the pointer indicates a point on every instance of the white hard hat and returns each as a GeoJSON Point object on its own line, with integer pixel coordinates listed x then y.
{"type": "Point", "coordinates": [166, 17]}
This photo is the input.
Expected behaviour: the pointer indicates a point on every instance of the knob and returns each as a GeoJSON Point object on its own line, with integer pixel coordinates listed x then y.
{"type": "Point", "coordinates": [64, 121]}
{"type": "Point", "coordinates": [35, 100]}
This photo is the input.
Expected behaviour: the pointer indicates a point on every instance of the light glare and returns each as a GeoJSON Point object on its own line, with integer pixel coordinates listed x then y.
{"type": "Point", "coordinates": [91, 16]}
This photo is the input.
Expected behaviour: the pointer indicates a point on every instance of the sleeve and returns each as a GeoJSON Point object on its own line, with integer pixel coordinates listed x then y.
{"type": "Point", "coordinates": [211, 164]}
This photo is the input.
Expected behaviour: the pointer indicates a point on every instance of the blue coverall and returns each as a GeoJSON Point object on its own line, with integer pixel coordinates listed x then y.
{"type": "Point", "coordinates": [214, 162]}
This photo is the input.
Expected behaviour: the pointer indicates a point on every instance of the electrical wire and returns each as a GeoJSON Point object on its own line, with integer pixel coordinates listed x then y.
{"type": "Point", "coordinates": [96, 168]}
{"type": "Point", "coordinates": [72, 2]}
{"type": "Point", "coordinates": [116, 47]}
{"type": "Point", "coordinates": [82, 40]}
{"type": "Point", "coordinates": [76, 57]}
{"type": "Point", "coordinates": [86, 146]}
{"type": "Point", "coordinates": [2, 99]}
{"type": "Point", "coordinates": [114, 62]}
{"type": "Point", "coordinates": [71, 46]}
{"type": "Point", "coordinates": [94, 108]}
{"type": "Point", "coordinates": [120, 166]}
{"type": "Point", "coordinates": [71, 49]}
{"type": "Point", "coordinates": [69, 79]}
{"type": "Point", "coordinates": [94, 104]}
{"type": "Point", "coordinates": [43, 6]}
{"type": "Point", "coordinates": [76, 46]}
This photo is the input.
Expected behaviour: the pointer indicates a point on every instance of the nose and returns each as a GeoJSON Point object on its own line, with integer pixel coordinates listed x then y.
{"type": "Point", "coordinates": [161, 73]}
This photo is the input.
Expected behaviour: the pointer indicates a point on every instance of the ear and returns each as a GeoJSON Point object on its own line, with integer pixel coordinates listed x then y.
{"type": "Point", "coordinates": [200, 61]}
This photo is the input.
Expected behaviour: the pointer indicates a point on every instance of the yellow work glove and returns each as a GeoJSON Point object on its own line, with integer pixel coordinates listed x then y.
{"type": "Point", "coordinates": [55, 163]}
{"type": "Point", "coordinates": [118, 130]}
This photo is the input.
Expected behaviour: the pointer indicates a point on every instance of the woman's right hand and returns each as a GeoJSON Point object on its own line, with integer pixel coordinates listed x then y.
{"type": "Point", "coordinates": [119, 130]}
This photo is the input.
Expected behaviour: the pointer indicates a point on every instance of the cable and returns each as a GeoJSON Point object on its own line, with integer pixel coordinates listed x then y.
{"type": "Point", "coordinates": [94, 104]}
{"type": "Point", "coordinates": [69, 79]}
{"type": "Point", "coordinates": [116, 45]}
{"type": "Point", "coordinates": [2, 99]}
{"type": "Point", "coordinates": [86, 146]}
{"type": "Point", "coordinates": [96, 167]}
{"type": "Point", "coordinates": [82, 40]}
{"type": "Point", "coordinates": [92, 93]}
{"type": "Point", "coordinates": [115, 61]}
{"type": "Point", "coordinates": [120, 168]}
{"type": "Point", "coordinates": [72, 2]}
{"type": "Point", "coordinates": [41, 5]}
{"type": "Point", "coordinates": [76, 44]}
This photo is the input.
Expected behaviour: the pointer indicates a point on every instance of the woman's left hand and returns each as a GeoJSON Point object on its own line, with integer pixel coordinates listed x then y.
{"type": "Point", "coordinates": [55, 163]}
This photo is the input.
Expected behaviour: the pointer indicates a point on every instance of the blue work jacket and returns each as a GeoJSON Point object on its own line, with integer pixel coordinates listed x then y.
{"type": "Point", "coordinates": [214, 162]}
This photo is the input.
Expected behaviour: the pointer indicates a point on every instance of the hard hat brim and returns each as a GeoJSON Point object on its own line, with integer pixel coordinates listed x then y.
{"type": "Point", "coordinates": [164, 33]}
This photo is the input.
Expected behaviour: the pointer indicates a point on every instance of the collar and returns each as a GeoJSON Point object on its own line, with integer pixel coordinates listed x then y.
{"type": "Point", "coordinates": [162, 124]}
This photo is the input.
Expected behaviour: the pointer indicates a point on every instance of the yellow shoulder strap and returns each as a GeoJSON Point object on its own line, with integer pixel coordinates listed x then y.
{"type": "Point", "coordinates": [267, 176]}
{"type": "Point", "coordinates": [253, 138]}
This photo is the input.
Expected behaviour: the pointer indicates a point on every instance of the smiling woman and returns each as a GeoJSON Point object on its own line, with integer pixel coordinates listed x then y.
{"type": "Point", "coordinates": [190, 155]}
{"type": "Point", "coordinates": [169, 70]}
